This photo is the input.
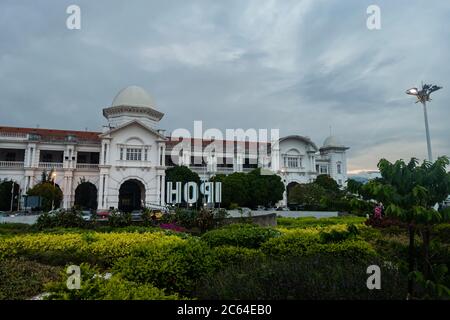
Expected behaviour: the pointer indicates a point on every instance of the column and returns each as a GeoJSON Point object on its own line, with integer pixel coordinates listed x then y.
{"type": "Point", "coordinates": [105, 190]}
{"type": "Point", "coordinates": [100, 193]}
{"type": "Point", "coordinates": [163, 190]}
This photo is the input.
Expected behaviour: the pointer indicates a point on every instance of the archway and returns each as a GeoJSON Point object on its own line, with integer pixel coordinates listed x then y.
{"type": "Point", "coordinates": [86, 196]}
{"type": "Point", "coordinates": [131, 195]}
{"type": "Point", "coordinates": [288, 190]}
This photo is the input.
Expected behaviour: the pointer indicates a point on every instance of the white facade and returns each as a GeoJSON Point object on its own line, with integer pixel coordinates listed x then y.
{"type": "Point", "coordinates": [127, 161]}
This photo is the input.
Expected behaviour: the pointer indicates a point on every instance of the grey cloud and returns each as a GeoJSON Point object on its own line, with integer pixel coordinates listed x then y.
{"type": "Point", "coordinates": [300, 66]}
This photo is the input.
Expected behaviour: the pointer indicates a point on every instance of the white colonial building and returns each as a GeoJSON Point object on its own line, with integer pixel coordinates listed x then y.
{"type": "Point", "coordinates": [124, 166]}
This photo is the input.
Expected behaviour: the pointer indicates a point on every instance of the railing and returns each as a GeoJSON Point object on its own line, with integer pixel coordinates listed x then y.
{"type": "Point", "coordinates": [87, 166]}
{"type": "Point", "coordinates": [50, 165]}
{"type": "Point", "coordinates": [13, 135]}
{"type": "Point", "coordinates": [225, 169]}
{"type": "Point", "coordinates": [11, 164]}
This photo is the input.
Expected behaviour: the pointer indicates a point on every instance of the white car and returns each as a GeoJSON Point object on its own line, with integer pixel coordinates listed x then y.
{"type": "Point", "coordinates": [86, 215]}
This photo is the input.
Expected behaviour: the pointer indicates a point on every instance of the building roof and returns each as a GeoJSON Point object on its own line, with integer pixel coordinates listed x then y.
{"type": "Point", "coordinates": [94, 136]}
{"type": "Point", "coordinates": [307, 140]}
{"type": "Point", "coordinates": [133, 96]}
{"type": "Point", "coordinates": [333, 142]}
{"type": "Point", "coordinates": [133, 100]}
{"type": "Point", "coordinates": [53, 134]}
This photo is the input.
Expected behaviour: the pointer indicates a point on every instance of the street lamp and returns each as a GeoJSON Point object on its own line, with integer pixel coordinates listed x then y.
{"type": "Point", "coordinates": [423, 96]}
{"type": "Point", "coordinates": [53, 198]}
{"type": "Point", "coordinates": [12, 194]}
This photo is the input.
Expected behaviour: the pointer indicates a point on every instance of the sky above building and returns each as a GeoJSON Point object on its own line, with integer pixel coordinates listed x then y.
{"type": "Point", "coordinates": [301, 66]}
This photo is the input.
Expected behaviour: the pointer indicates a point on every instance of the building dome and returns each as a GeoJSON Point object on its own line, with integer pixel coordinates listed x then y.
{"type": "Point", "coordinates": [132, 103]}
{"type": "Point", "coordinates": [133, 96]}
{"type": "Point", "coordinates": [332, 142]}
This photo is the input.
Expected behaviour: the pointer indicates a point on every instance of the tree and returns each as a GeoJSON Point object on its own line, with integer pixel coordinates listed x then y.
{"type": "Point", "coordinates": [49, 194]}
{"type": "Point", "coordinates": [308, 194]}
{"type": "Point", "coordinates": [409, 192]}
{"type": "Point", "coordinates": [328, 183]}
{"type": "Point", "coordinates": [235, 189]}
{"type": "Point", "coordinates": [5, 195]}
{"type": "Point", "coordinates": [265, 190]}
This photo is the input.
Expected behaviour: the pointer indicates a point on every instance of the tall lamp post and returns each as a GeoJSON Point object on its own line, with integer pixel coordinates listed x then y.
{"type": "Point", "coordinates": [54, 186]}
{"type": "Point", "coordinates": [423, 96]}
{"type": "Point", "coordinates": [12, 194]}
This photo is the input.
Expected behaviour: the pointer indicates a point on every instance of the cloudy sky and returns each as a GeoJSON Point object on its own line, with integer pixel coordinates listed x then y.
{"type": "Point", "coordinates": [300, 66]}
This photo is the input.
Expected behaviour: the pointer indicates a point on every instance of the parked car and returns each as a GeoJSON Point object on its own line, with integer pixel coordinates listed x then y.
{"type": "Point", "coordinates": [283, 209]}
{"type": "Point", "coordinates": [260, 208]}
{"type": "Point", "coordinates": [56, 211]}
{"type": "Point", "coordinates": [103, 215]}
{"type": "Point", "coordinates": [136, 215]}
{"type": "Point", "coordinates": [86, 215]}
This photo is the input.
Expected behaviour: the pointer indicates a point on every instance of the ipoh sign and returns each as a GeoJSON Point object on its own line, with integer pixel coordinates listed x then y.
{"type": "Point", "coordinates": [177, 193]}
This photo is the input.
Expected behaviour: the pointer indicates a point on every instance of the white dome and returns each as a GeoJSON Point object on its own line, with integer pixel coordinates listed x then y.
{"type": "Point", "coordinates": [332, 141]}
{"type": "Point", "coordinates": [133, 96]}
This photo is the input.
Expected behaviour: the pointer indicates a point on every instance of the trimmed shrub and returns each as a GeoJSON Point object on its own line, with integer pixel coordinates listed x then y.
{"type": "Point", "coordinates": [337, 235]}
{"type": "Point", "coordinates": [229, 255]}
{"type": "Point", "coordinates": [174, 268]}
{"type": "Point", "coordinates": [307, 222]}
{"type": "Point", "coordinates": [94, 286]}
{"type": "Point", "coordinates": [240, 235]}
{"type": "Point", "coordinates": [101, 248]}
{"type": "Point", "coordinates": [308, 243]}
{"type": "Point", "coordinates": [23, 279]}
{"type": "Point", "coordinates": [7, 229]}
{"type": "Point", "coordinates": [312, 278]}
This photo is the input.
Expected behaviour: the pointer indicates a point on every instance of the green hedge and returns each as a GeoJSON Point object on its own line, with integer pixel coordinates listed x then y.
{"type": "Point", "coordinates": [94, 286]}
{"type": "Point", "coordinates": [229, 255]}
{"type": "Point", "coordinates": [240, 235]}
{"type": "Point", "coordinates": [174, 268]}
{"type": "Point", "coordinates": [307, 222]}
{"type": "Point", "coordinates": [314, 277]}
{"type": "Point", "coordinates": [22, 279]}
{"type": "Point", "coordinates": [298, 244]}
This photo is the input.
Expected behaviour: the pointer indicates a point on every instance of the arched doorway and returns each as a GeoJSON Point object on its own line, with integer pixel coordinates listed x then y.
{"type": "Point", "coordinates": [288, 190]}
{"type": "Point", "coordinates": [86, 196]}
{"type": "Point", "coordinates": [131, 195]}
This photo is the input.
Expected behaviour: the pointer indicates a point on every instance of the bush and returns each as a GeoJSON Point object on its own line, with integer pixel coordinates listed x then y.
{"type": "Point", "coordinates": [22, 279]}
{"type": "Point", "coordinates": [309, 242]}
{"type": "Point", "coordinates": [312, 278]}
{"type": "Point", "coordinates": [94, 286]}
{"type": "Point", "coordinates": [174, 268]}
{"type": "Point", "coordinates": [317, 222]}
{"type": "Point", "coordinates": [229, 255]}
{"type": "Point", "coordinates": [64, 219]}
{"type": "Point", "coordinates": [337, 235]}
{"type": "Point", "coordinates": [119, 219]}
{"type": "Point", "coordinates": [101, 248]}
{"type": "Point", "coordinates": [7, 229]}
{"type": "Point", "coordinates": [385, 222]}
{"type": "Point", "coordinates": [240, 235]}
